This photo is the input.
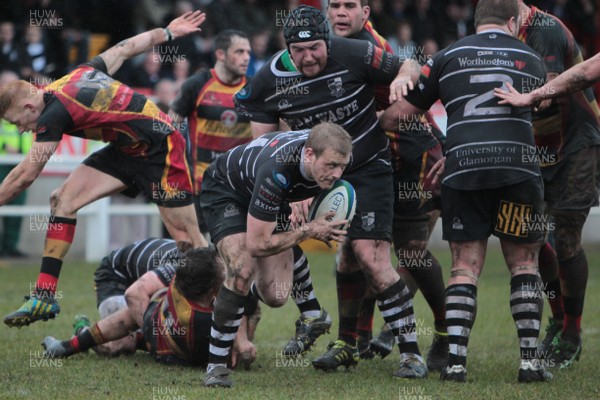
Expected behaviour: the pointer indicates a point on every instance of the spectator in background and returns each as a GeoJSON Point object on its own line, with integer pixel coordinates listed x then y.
{"type": "Point", "coordinates": [457, 22]}
{"type": "Point", "coordinates": [259, 42]}
{"type": "Point", "coordinates": [383, 20]}
{"type": "Point", "coordinates": [236, 14]}
{"type": "Point", "coordinates": [428, 48]}
{"type": "Point", "coordinates": [421, 17]}
{"type": "Point", "coordinates": [11, 143]}
{"type": "Point", "coordinates": [181, 71]}
{"type": "Point", "coordinates": [402, 42]}
{"type": "Point", "coordinates": [147, 75]}
{"type": "Point", "coordinates": [10, 55]}
{"type": "Point", "coordinates": [194, 51]}
{"type": "Point", "coordinates": [38, 53]}
{"type": "Point", "coordinates": [164, 93]}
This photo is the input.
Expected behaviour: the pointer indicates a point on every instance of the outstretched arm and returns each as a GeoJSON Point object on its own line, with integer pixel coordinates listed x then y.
{"type": "Point", "coordinates": [23, 175]}
{"type": "Point", "coordinates": [181, 26]}
{"type": "Point", "coordinates": [572, 80]}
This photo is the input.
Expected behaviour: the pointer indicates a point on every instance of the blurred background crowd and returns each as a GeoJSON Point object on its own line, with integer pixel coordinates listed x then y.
{"type": "Point", "coordinates": [41, 40]}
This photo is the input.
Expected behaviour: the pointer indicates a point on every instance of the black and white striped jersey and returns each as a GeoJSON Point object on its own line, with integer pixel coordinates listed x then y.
{"type": "Point", "coordinates": [488, 145]}
{"type": "Point", "coordinates": [343, 93]}
{"type": "Point", "coordinates": [266, 173]}
{"type": "Point", "coordinates": [158, 255]}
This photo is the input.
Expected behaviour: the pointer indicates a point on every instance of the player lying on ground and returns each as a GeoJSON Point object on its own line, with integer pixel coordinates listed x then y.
{"type": "Point", "coordinates": [171, 303]}
{"type": "Point", "coordinates": [145, 153]}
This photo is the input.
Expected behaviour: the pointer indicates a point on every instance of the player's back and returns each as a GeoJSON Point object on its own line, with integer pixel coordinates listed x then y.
{"type": "Point", "coordinates": [134, 260]}
{"type": "Point", "coordinates": [178, 329]}
{"type": "Point", "coordinates": [89, 103]}
{"type": "Point", "coordinates": [272, 160]}
{"type": "Point", "coordinates": [472, 68]}
{"type": "Point", "coordinates": [484, 137]}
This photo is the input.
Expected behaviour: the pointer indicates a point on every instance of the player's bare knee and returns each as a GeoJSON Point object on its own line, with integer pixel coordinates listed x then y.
{"type": "Point", "coordinates": [274, 298]}
{"type": "Point", "coordinates": [54, 199]}
{"type": "Point", "coordinates": [61, 204]}
{"type": "Point", "coordinates": [373, 255]}
{"type": "Point", "coordinates": [241, 278]}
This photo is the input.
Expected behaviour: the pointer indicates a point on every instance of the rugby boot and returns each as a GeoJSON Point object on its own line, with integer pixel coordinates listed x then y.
{"type": "Point", "coordinates": [383, 344]}
{"type": "Point", "coordinates": [218, 377]}
{"type": "Point", "coordinates": [565, 350]}
{"type": "Point", "coordinates": [81, 322]}
{"type": "Point", "coordinates": [530, 372]}
{"type": "Point", "coordinates": [456, 373]}
{"type": "Point", "coordinates": [552, 330]}
{"type": "Point", "coordinates": [437, 357]}
{"type": "Point", "coordinates": [35, 308]}
{"type": "Point", "coordinates": [364, 347]}
{"type": "Point", "coordinates": [307, 332]}
{"type": "Point", "coordinates": [338, 353]}
{"type": "Point", "coordinates": [412, 367]}
{"type": "Point", "coordinates": [54, 348]}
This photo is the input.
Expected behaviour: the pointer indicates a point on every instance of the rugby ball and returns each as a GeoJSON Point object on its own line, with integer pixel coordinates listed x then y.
{"type": "Point", "coordinates": [341, 199]}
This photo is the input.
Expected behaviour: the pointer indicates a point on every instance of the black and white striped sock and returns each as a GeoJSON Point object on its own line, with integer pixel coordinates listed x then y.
{"type": "Point", "coordinates": [395, 304]}
{"type": "Point", "coordinates": [227, 315]}
{"type": "Point", "coordinates": [461, 309]}
{"type": "Point", "coordinates": [526, 303]}
{"type": "Point", "coordinates": [302, 289]}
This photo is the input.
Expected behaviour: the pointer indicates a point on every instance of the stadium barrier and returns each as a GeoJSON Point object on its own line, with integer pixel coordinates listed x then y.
{"type": "Point", "coordinates": [99, 213]}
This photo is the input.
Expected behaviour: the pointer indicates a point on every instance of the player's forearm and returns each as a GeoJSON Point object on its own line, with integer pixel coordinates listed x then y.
{"type": "Point", "coordinates": [275, 244]}
{"type": "Point", "coordinates": [16, 182]}
{"type": "Point", "coordinates": [137, 304]}
{"type": "Point", "coordinates": [389, 119]}
{"type": "Point", "coordinates": [572, 80]}
{"type": "Point", "coordinates": [143, 42]}
{"type": "Point", "coordinates": [253, 321]}
{"type": "Point", "coordinates": [242, 333]}
{"type": "Point", "coordinates": [411, 68]}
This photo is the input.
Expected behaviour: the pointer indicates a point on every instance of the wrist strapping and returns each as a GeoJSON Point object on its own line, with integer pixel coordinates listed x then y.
{"type": "Point", "coordinates": [169, 34]}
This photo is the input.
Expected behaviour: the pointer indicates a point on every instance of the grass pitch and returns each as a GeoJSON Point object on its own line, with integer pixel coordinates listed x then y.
{"type": "Point", "coordinates": [492, 369]}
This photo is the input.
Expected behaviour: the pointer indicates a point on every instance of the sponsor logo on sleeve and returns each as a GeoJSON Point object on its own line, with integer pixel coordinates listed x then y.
{"type": "Point", "coordinates": [281, 180]}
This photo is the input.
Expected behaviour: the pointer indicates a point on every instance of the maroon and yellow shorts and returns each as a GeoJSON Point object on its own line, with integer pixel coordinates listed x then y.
{"type": "Point", "coordinates": [160, 171]}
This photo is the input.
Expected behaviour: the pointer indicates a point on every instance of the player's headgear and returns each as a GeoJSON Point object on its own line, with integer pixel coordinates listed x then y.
{"type": "Point", "coordinates": [305, 24]}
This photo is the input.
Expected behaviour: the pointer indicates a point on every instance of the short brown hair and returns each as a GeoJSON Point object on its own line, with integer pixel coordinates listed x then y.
{"type": "Point", "coordinates": [363, 3]}
{"type": "Point", "coordinates": [496, 12]}
{"type": "Point", "coordinates": [198, 272]}
{"type": "Point", "coordinates": [329, 136]}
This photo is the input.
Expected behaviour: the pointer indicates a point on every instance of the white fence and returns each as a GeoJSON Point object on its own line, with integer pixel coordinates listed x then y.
{"type": "Point", "coordinates": [97, 216]}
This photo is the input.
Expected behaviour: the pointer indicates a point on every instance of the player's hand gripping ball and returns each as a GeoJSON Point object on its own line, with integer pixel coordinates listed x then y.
{"type": "Point", "coordinates": [341, 199]}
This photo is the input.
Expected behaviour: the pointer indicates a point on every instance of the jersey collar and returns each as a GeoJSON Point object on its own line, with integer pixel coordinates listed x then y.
{"type": "Point", "coordinates": [493, 30]}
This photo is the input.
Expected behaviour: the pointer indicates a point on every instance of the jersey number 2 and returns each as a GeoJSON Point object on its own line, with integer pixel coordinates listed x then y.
{"type": "Point", "coordinates": [472, 109]}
